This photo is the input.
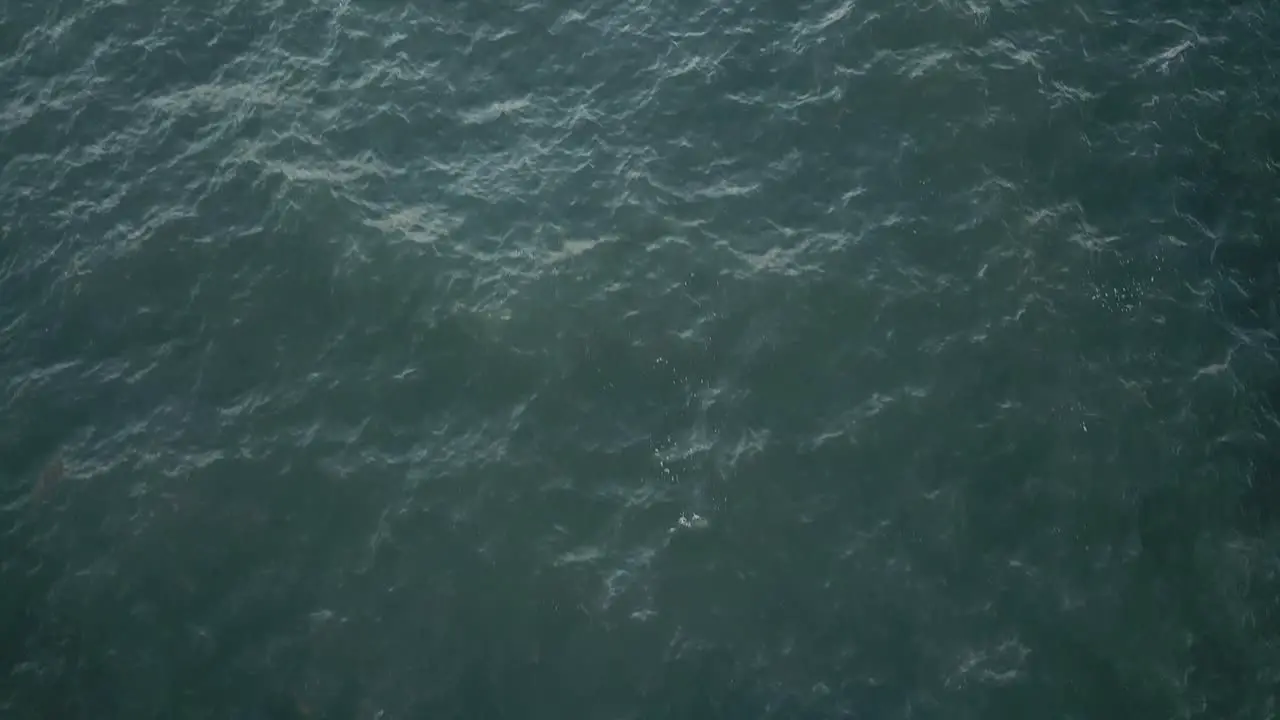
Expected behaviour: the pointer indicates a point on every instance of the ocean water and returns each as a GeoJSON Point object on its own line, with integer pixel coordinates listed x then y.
{"type": "Point", "coordinates": [639, 360]}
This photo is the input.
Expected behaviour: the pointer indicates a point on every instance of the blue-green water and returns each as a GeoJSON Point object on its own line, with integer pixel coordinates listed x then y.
{"type": "Point", "coordinates": [639, 360]}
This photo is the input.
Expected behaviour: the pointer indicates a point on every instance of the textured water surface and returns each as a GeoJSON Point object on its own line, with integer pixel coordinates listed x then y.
{"type": "Point", "coordinates": [639, 360]}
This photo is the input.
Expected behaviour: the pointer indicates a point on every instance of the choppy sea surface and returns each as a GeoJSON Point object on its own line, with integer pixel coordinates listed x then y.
{"type": "Point", "coordinates": [866, 359]}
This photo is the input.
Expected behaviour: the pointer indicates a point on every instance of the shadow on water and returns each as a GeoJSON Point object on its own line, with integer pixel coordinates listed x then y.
{"type": "Point", "coordinates": [1233, 200]}
{"type": "Point", "coordinates": [1239, 207]}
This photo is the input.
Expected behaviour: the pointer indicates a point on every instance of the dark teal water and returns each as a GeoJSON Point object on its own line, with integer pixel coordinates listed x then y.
{"type": "Point", "coordinates": [639, 360]}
